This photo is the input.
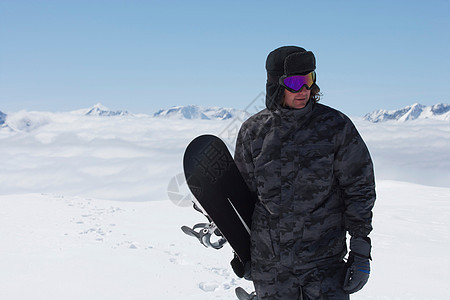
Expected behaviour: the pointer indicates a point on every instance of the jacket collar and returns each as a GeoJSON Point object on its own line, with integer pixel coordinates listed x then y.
{"type": "Point", "coordinates": [294, 114]}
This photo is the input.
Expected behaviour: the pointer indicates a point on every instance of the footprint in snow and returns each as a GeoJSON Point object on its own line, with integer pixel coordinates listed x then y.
{"type": "Point", "coordinates": [208, 286]}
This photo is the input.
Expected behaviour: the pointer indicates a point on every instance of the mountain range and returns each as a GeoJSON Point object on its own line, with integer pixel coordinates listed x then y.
{"type": "Point", "coordinates": [416, 111]}
{"type": "Point", "coordinates": [29, 120]}
{"type": "Point", "coordinates": [191, 112]}
{"type": "Point", "coordinates": [412, 112]}
{"type": "Point", "coordinates": [102, 111]}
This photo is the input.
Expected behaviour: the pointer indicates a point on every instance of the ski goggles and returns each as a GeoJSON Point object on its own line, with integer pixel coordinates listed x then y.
{"type": "Point", "coordinates": [294, 83]}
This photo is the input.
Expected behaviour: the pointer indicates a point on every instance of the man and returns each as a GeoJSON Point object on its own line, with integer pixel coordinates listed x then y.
{"type": "Point", "coordinates": [314, 179]}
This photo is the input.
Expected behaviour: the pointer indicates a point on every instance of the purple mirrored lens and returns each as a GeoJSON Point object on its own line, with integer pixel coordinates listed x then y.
{"type": "Point", "coordinates": [296, 82]}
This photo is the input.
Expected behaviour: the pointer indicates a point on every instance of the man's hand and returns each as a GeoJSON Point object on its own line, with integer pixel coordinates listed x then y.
{"type": "Point", "coordinates": [240, 269]}
{"type": "Point", "coordinates": [358, 265]}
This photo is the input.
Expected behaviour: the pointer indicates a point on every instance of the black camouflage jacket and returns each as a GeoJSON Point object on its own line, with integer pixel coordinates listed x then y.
{"type": "Point", "coordinates": [314, 179]}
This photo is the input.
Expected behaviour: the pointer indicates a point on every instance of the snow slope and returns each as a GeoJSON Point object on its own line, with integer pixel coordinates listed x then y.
{"type": "Point", "coordinates": [82, 248]}
{"type": "Point", "coordinates": [56, 247]}
{"type": "Point", "coordinates": [86, 214]}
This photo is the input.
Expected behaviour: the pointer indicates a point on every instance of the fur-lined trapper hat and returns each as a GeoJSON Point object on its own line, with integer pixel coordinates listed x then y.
{"type": "Point", "coordinates": [287, 60]}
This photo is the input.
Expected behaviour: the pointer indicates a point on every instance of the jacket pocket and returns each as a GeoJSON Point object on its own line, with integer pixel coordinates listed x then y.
{"type": "Point", "coordinates": [316, 227]}
{"type": "Point", "coordinates": [315, 163]}
{"type": "Point", "coordinates": [322, 237]}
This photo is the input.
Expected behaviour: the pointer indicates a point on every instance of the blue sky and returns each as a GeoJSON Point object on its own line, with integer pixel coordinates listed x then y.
{"type": "Point", "coordinates": [145, 55]}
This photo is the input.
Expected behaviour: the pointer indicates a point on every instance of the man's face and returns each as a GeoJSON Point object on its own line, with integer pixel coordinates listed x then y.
{"type": "Point", "coordinates": [296, 100]}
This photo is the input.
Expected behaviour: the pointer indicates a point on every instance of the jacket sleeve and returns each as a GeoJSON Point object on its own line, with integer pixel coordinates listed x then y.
{"type": "Point", "coordinates": [354, 170]}
{"type": "Point", "coordinates": [243, 158]}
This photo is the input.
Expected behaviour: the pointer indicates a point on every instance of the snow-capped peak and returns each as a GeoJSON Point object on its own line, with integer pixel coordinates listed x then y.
{"type": "Point", "coordinates": [439, 111]}
{"type": "Point", "coordinates": [2, 118]}
{"type": "Point", "coordinates": [198, 112]}
{"type": "Point", "coordinates": [101, 110]}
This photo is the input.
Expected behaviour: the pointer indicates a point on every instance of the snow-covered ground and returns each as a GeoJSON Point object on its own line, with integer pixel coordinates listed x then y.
{"type": "Point", "coordinates": [85, 211]}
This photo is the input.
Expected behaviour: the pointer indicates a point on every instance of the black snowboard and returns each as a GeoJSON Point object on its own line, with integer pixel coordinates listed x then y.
{"type": "Point", "coordinates": [215, 181]}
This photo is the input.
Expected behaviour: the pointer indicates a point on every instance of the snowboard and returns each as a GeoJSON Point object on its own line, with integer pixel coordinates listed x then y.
{"type": "Point", "coordinates": [215, 181]}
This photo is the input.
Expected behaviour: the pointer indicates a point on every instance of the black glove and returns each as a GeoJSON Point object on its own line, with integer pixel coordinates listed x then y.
{"type": "Point", "coordinates": [242, 270]}
{"type": "Point", "coordinates": [358, 265]}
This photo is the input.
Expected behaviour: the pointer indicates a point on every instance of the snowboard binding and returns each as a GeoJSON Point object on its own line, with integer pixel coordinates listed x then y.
{"type": "Point", "coordinates": [204, 231]}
